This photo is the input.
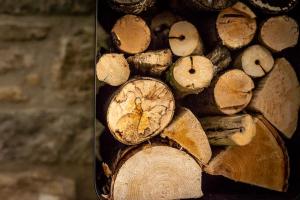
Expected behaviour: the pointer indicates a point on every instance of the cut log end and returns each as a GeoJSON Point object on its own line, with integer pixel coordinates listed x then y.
{"type": "Point", "coordinates": [277, 97]}
{"type": "Point", "coordinates": [252, 163]}
{"type": "Point", "coordinates": [233, 91]}
{"type": "Point", "coordinates": [131, 34]}
{"type": "Point", "coordinates": [279, 33]}
{"type": "Point", "coordinates": [229, 130]}
{"type": "Point", "coordinates": [236, 26]}
{"type": "Point", "coordinates": [186, 130]}
{"type": "Point", "coordinates": [184, 39]}
{"type": "Point", "coordinates": [140, 109]}
{"type": "Point", "coordinates": [256, 61]}
{"type": "Point", "coordinates": [152, 62]}
{"type": "Point", "coordinates": [113, 69]}
{"type": "Point", "coordinates": [190, 75]}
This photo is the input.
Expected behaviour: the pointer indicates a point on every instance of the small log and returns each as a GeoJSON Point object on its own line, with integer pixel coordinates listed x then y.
{"type": "Point", "coordinates": [277, 97]}
{"type": "Point", "coordinates": [113, 69]}
{"type": "Point", "coordinates": [164, 173]}
{"type": "Point", "coordinates": [279, 33]}
{"type": "Point", "coordinates": [228, 94]}
{"type": "Point", "coordinates": [229, 130]}
{"type": "Point", "coordinates": [184, 39]}
{"type": "Point", "coordinates": [220, 57]}
{"type": "Point", "coordinates": [131, 34]}
{"type": "Point", "coordinates": [236, 26]}
{"type": "Point", "coordinates": [139, 110]}
{"type": "Point", "coordinates": [264, 162]}
{"type": "Point", "coordinates": [131, 6]}
{"type": "Point", "coordinates": [152, 62]}
{"type": "Point", "coordinates": [190, 75]}
{"type": "Point", "coordinates": [274, 7]}
{"type": "Point", "coordinates": [186, 130]}
{"type": "Point", "coordinates": [160, 27]}
{"type": "Point", "coordinates": [256, 61]}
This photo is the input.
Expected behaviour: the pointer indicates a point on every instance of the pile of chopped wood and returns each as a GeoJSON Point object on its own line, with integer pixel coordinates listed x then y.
{"type": "Point", "coordinates": [181, 110]}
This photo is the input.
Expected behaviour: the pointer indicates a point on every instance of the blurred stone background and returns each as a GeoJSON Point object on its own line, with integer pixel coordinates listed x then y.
{"type": "Point", "coordinates": [46, 99]}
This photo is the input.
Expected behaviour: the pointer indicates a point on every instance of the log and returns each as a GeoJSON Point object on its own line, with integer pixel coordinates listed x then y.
{"type": "Point", "coordinates": [220, 57]}
{"type": "Point", "coordinates": [279, 33]}
{"type": "Point", "coordinates": [277, 97]}
{"type": "Point", "coordinates": [139, 110]}
{"type": "Point", "coordinates": [131, 6]}
{"type": "Point", "coordinates": [190, 75]}
{"type": "Point", "coordinates": [152, 62]}
{"type": "Point", "coordinates": [201, 5]}
{"type": "Point", "coordinates": [165, 173]}
{"type": "Point", "coordinates": [264, 162]}
{"type": "Point", "coordinates": [236, 26]}
{"type": "Point", "coordinates": [160, 27]}
{"type": "Point", "coordinates": [186, 130]}
{"type": "Point", "coordinates": [256, 61]}
{"type": "Point", "coordinates": [113, 69]}
{"type": "Point", "coordinates": [229, 130]}
{"type": "Point", "coordinates": [131, 34]}
{"type": "Point", "coordinates": [184, 39]}
{"type": "Point", "coordinates": [229, 93]}
{"type": "Point", "coordinates": [274, 7]}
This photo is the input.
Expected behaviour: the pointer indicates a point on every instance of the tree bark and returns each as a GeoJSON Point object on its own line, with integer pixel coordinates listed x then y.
{"type": "Point", "coordinates": [220, 57]}
{"type": "Point", "coordinates": [229, 130]}
{"type": "Point", "coordinates": [208, 5]}
{"type": "Point", "coordinates": [131, 34]}
{"type": "Point", "coordinates": [228, 94]}
{"type": "Point", "coordinates": [274, 7]}
{"type": "Point", "coordinates": [152, 62]}
{"type": "Point", "coordinates": [131, 6]}
{"type": "Point", "coordinates": [190, 75]}
{"type": "Point", "coordinates": [186, 130]}
{"type": "Point", "coordinates": [139, 110]}
{"type": "Point", "coordinates": [184, 39]}
{"type": "Point", "coordinates": [279, 33]}
{"type": "Point", "coordinates": [277, 97]}
{"type": "Point", "coordinates": [264, 162]}
{"type": "Point", "coordinates": [113, 69]}
{"type": "Point", "coordinates": [236, 26]}
{"type": "Point", "coordinates": [256, 61]}
{"type": "Point", "coordinates": [167, 173]}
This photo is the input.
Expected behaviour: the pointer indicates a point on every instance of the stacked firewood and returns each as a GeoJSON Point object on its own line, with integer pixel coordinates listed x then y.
{"type": "Point", "coordinates": [180, 109]}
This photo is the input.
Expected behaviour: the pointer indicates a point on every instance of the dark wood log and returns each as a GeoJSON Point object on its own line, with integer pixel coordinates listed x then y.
{"type": "Point", "coordinates": [131, 6]}
{"type": "Point", "coordinates": [274, 6]}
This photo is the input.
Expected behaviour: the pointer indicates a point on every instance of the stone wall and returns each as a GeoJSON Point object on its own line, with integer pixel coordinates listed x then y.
{"type": "Point", "coordinates": [46, 99]}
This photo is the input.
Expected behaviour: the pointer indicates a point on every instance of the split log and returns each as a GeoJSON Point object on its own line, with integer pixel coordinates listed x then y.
{"type": "Point", "coordinates": [264, 162]}
{"type": "Point", "coordinates": [256, 61]}
{"type": "Point", "coordinates": [139, 110]}
{"type": "Point", "coordinates": [184, 39]}
{"type": "Point", "coordinates": [131, 6]}
{"type": "Point", "coordinates": [186, 130]}
{"type": "Point", "coordinates": [220, 57]}
{"type": "Point", "coordinates": [131, 34]}
{"type": "Point", "coordinates": [274, 7]}
{"type": "Point", "coordinates": [113, 69]}
{"type": "Point", "coordinates": [236, 26]}
{"type": "Point", "coordinates": [229, 130]}
{"type": "Point", "coordinates": [160, 27]}
{"type": "Point", "coordinates": [277, 97]}
{"type": "Point", "coordinates": [165, 173]}
{"type": "Point", "coordinates": [190, 75]}
{"type": "Point", "coordinates": [152, 62]}
{"type": "Point", "coordinates": [228, 94]}
{"type": "Point", "coordinates": [279, 33]}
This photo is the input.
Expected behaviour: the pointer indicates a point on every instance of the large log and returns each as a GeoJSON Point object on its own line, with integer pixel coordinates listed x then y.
{"type": "Point", "coordinates": [264, 162]}
{"type": "Point", "coordinates": [139, 110]}
{"type": "Point", "coordinates": [236, 26]}
{"type": "Point", "coordinates": [164, 173]}
{"type": "Point", "coordinates": [229, 130]}
{"type": "Point", "coordinates": [131, 34]}
{"type": "Point", "coordinates": [229, 93]}
{"type": "Point", "coordinates": [279, 33]}
{"type": "Point", "coordinates": [277, 97]}
{"type": "Point", "coordinates": [186, 130]}
{"type": "Point", "coordinates": [131, 6]}
{"type": "Point", "coordinates": [274, 7]}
